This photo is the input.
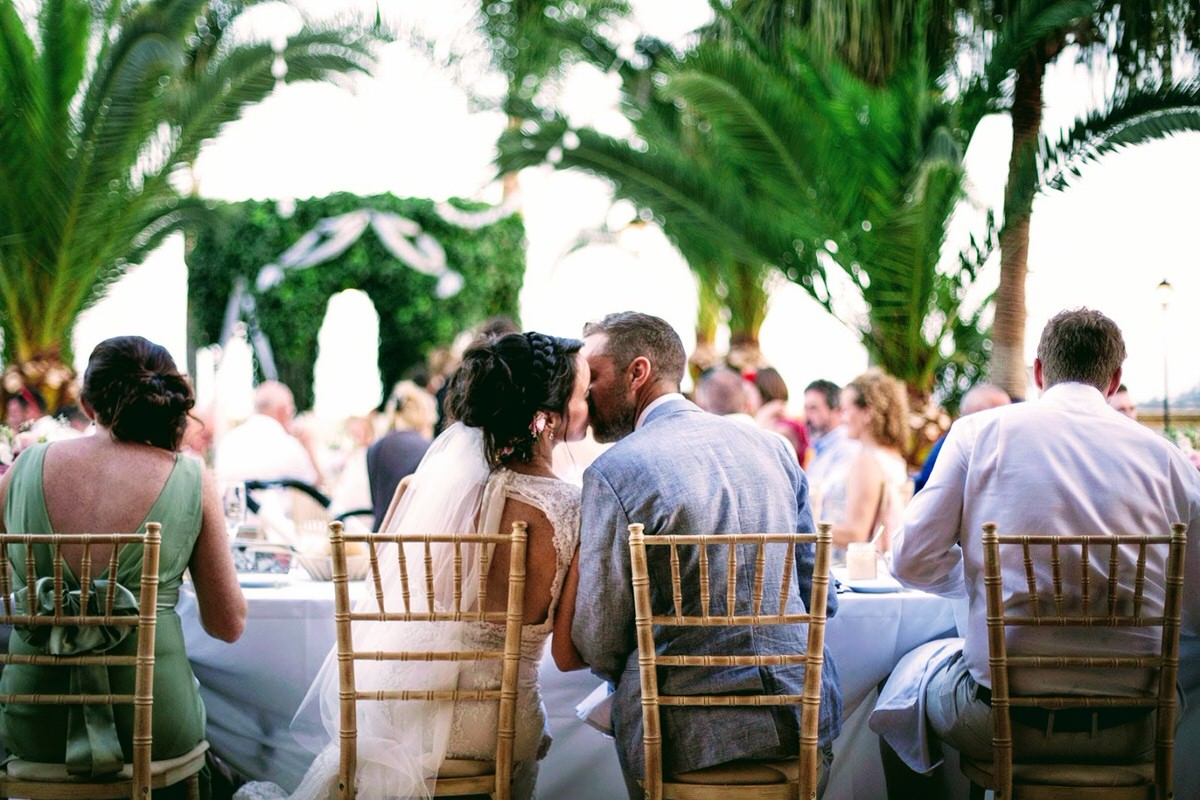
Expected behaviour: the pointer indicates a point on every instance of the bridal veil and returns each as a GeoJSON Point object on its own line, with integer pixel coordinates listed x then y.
{"type": "Point", "coordinates": [402, 743]}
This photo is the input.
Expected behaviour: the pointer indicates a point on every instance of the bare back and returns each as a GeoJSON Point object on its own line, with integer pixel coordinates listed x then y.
{"type": "Point", "coordinates": [94, 484]}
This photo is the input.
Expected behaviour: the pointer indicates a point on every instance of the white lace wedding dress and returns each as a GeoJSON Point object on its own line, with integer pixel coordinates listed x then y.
{"type": "Point", "coordinates": [473, 725]}
{"type": "Point", "coordinates": [400, 745]}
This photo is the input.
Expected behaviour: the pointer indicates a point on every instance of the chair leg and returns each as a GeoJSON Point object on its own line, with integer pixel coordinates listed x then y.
{"type": "Point", "coordinates": [193, 786]}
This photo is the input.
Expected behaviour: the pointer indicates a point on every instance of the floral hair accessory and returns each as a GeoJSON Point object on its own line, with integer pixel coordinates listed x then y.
{"type": "Point", "coordinates": [538, 424]}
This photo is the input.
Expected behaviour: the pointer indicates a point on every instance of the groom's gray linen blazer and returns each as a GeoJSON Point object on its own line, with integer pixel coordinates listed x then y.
{"type": "Point", "coordinates": [684, 471]}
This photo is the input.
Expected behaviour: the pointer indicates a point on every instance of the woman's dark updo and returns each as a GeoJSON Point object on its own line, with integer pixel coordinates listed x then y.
{"type": "Point", "coordinates": [503, 382]}
{"type": "Point", "coordinates": [134, 389]}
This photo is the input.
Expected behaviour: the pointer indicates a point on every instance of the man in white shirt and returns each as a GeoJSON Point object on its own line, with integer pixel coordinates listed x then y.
{"type": "Point", "coordinates": [1064, 464]}
{"type": "Point", "coordinates": [263, 447]}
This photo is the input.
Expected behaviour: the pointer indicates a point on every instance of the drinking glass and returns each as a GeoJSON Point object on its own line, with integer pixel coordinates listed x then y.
{"type": "Point", "coordinates": [233, 500]}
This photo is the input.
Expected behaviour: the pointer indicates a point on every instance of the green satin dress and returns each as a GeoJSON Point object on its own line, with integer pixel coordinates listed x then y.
{"type": "Point", "coordinates": [37, 733]}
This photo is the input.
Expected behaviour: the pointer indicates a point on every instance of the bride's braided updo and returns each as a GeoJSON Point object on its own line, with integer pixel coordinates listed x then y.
{"type": "Point", "coordinates": [503, 383]}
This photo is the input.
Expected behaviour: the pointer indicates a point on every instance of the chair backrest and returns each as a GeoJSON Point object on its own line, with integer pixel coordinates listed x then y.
{"type": "Point", "coordinates": [94, 606]}
{"type": "Point", "coordinates": [1082, 568]}
{"type": "Point", "coordinates": [417, 604]}
{"type": "Point", "coordinates": [721, 603]}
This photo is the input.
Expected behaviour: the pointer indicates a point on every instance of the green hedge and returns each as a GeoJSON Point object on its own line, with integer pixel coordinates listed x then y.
{"type": "Point", "coordinates": [412, 319]}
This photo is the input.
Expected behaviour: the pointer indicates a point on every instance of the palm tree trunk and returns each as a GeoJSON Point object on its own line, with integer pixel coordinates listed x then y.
{"type": "Point", "coordinates": [510, 182]}
{"type": "Point", "coordinates": [1008, 329]}
{"type": "Point", "coordinates": [708, 316]}
{"type": "Point", "coordinates": [46, 371]}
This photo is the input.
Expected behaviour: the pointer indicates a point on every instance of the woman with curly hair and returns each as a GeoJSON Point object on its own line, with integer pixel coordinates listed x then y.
{"type": "Point", "coordinates": [875, 412]}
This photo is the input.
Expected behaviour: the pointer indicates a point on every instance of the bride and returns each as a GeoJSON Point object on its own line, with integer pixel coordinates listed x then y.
{"type": "Point", "coordinates": [514, 399]}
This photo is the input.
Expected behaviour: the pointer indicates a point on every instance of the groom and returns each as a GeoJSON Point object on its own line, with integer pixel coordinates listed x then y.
{"type": "Point", "coordinates": [679, 470]}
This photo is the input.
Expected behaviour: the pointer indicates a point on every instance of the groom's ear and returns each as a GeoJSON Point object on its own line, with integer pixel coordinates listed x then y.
{"type": "Point", "coordinates": [639, 373]}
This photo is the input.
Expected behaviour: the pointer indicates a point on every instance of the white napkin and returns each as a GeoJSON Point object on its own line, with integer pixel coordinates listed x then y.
{"type": "Point", "coordinates": [596, 709]}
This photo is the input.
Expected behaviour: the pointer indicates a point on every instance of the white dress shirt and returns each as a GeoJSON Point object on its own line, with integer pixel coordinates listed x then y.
{"type": "Point", "coordinates": [260, 449]}
{"type": "Point", "coordinates": [1067, 464]}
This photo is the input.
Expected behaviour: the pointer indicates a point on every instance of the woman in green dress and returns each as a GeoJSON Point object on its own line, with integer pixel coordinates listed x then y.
{"type": "Point", "coordinates": [126, 474]}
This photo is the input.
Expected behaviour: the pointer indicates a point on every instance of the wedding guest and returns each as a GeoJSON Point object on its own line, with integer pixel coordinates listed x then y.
{"type": "Point", "coordinates": [677, 469]}
{"type": "Point", "coordinates": [773, 413]}
{"type": "Point", "coordinates": [23, 407]}
{"type": "Point", "coordinates": [198, 436]}
{"type": "Point", "coordinates": [833, 450]}
{"type": "Point", "coordinates": [980, 397]}
{"type": "Point", "coordinates": [875, 411]}
{"type": "Point", "coordinates": [722, 391]}
{"type": "Point", "coordinates": [129, 472]}
{"type": "Point", "coordinates": [1055, 466]}
{"type": "Point", "coordinates": [264, 447]}
{"type": "Point", "coordinates": [410, 414]}
{"type": "Point", "coordinates": [1121, 401]}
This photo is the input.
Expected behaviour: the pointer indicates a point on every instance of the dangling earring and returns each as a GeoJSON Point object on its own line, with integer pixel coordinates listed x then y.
{"type": "Point", "coordinates": [551, 429]}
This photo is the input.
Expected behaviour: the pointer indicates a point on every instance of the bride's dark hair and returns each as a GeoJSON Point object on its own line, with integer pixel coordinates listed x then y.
{"type": "Point", "coordinates": [502, 384]}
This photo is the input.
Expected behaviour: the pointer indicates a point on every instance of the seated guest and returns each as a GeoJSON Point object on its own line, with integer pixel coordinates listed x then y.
{"type": "Point", "coordinates": [128, 473]}
{"type": "Point", "coordinates": [23, 407]}
{"type": "Point", "coordinates": [875, 410]}
{"type": "Point", "coordinates": [1121, 401]}
{"type": "Point", "coordinates": [833, 451]}
{"type": "Point", "coordinates": [411, 413]}
{"type": "Point", "coordinates": [264, 446]}
{"type": "Point", "coordinates": [1061, 465]}
{"type": "Point", "coordinates": [978, 398]}
{"type": "Point", "coordinates": [773, 413]}
{"type": "Point", "coordinates": [722, 391]}
{"type": "Point", "coordinates": [198, 437]}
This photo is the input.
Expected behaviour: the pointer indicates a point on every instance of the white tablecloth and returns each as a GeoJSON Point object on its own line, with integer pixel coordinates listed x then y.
{"type": "Point", "coordinates": [252, 687]}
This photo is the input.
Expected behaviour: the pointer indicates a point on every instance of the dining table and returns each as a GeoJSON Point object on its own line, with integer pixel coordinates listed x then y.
{"type": "Point", "coordinates": [253, 687]}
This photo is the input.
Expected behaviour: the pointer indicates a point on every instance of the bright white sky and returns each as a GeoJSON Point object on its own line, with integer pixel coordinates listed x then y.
{"type": "Point", "coordinates": [1106, 243]}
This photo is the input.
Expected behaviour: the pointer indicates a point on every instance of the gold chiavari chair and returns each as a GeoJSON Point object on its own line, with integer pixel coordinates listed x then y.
{"type": "Point", "coordinates": [791, 778]}
{"type": "Point", "coordinates": [1082, 568]}
{"type": "Point", "coordinates": [96, 603]}
{"type": "Point", "coordinates": [456, 776]}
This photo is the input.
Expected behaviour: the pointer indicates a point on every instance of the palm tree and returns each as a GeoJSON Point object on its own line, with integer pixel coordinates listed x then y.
{"type": "Point", "coordinates": [771, 156]}
{"type": "Point", "coordinates": [1142, 43]}
{"type": "Point", "coordinates": [531, 41]}
{"type": "Point", "coordinates": [102, 107]}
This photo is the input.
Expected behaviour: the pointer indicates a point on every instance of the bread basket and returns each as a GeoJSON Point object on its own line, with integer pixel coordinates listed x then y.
{"type": "Point", "coordinates": [320, 567]}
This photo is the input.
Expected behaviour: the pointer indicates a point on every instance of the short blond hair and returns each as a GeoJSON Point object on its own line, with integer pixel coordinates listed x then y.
{"type": "Point", "coordinates": [411, 408]}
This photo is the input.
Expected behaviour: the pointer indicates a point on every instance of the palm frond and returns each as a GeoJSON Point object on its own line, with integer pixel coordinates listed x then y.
{"type": "Point", "coordinates": [1024, 30]}
{"type": "Point", "coordinates": [1137, 118]}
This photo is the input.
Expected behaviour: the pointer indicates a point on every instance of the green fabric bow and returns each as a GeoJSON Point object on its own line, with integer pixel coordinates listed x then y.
{"type": "Point", "coordinates": [93, 747]}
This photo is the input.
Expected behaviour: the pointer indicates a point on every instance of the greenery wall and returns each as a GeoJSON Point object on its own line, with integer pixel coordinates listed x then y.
{"type": "Point", "coordinates": [412, 319]}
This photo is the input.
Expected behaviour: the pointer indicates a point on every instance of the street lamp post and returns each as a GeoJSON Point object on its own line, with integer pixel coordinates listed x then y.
{"type": "Point", "coordinates": [1164, 292]}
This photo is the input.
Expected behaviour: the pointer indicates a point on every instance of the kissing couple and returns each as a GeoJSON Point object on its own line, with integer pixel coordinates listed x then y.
{"type": "Point", "coordinates": [673, 468]}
